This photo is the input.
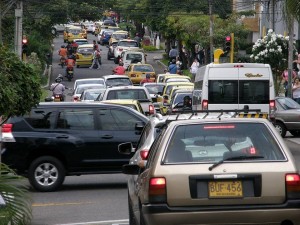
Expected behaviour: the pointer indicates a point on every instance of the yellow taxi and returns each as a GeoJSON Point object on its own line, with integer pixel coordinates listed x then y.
{"type": "Point", "coordinates": [118, 35]}
{"type": "Point", "coordinates": [168, 91]}
{"type": "Point", "coordinates": [73, 32]}
{"type": "Point", "coordinates": [84, 55]}
{"type": "Point", "coordinates": [134, 104]}
{"type": "Point", "coordinates": [137, 72]}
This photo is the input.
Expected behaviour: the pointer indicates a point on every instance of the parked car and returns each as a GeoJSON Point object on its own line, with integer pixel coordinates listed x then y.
{"type": "Point", "coordinates": [63, 139]}
{"type": "Point", "coordinates": [117, 80]}
{"type": "Point", "coordinates": [287, 116]}
{"type": "Point", "coordinates": [131, 92]}
{"type": "Point", "coordinates": [215, 171]}
{"type": "Point", "coordinates": [137, 72]}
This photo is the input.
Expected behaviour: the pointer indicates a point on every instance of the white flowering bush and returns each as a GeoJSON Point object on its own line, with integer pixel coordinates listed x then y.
{"type": "Point", "coordinates": [272, 49]}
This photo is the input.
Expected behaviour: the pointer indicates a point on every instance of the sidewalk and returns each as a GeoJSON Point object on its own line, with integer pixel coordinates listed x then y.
{"type": "Point", "coordinates": [156, 56]}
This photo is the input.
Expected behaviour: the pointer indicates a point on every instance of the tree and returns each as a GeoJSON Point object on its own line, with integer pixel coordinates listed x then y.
{"type": "Point", "coordinates": [272, 49]}
{"type": "Point", "coordinates": [19, 85]}
{"type": "Point", "coordinates": [17, 210]}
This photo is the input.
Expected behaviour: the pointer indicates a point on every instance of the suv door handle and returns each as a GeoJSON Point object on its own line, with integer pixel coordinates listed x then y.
{"type": "Point", "coordinates": [107, 137]}
{"type": "Point", "coordinates": [62, 136]}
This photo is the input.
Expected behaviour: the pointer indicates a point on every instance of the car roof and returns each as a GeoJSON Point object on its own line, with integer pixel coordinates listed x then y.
{"type": "Point", "coordinates": [127, 87]}
{"type": "Point", "coordinates": [153, 84]}
{"type": "Point", "coordinates": [121, 32]}
{"type": "Point", "coordinates": [80, 39]}
{"type": "Point", "coordinates": [123, 101]}
{"type": "Point", "coordinates": [91, 84]}
{"type": "Point", "coordinates": [128, 40]}
{"type": "Point", "coordinates": [89, 79]}
{"type": "Point", "coordinates": [105, 77]}
{"type": "Point", "coordinates": [94, 90]}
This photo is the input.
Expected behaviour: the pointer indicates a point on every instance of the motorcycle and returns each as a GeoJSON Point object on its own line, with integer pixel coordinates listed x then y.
{"type": "Point", "coordinates": [58, 98]}
{"type": "Point", "coordinates": [70, 73]}
{"type": "Point", "coordinates": [62, 61]}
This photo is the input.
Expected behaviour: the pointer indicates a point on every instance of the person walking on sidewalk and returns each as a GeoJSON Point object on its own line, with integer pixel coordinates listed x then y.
{"type": "Point", "coordinates": [173, 53]}
{"type": "Point", "coordinates": [194, 68]}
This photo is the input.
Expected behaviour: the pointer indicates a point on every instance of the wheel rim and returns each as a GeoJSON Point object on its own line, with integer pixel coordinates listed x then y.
{"type": "Point", "coordinates": [46, 174]}
{"type": "Point", "coordinates": [279, 128]}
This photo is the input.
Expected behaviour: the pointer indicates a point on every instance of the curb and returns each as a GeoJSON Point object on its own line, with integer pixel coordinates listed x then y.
{"type": "Point", "coordinates": [49, 70]}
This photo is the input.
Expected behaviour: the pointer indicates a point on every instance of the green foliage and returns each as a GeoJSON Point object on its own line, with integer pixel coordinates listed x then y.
{"type": "Point", "coordinates": [17, 210]}
{"type": "Point", "coordinates": [19, 85]}
{"type": "Point", "coordinates": [149, 48]}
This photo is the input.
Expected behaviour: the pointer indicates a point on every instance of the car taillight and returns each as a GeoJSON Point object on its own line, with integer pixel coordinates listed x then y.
{"type": "Point", "coordinates": [292, 182]}
{"type": "Point", "coordinates": [133, 75]}
{"type": "Point", "coordinates": [204, 104]}
{"type": "Point", "coordinates": [144, 154]}
{"type": "Point", "coordinates": [75, 99]}
{"type": "Point", "coordinates": [120, 49]}
{"type": "Point", "coordinates": [157, 190]}
{"type": "Point", "coordinates": [7, 128]}
{"type": "Point", "coordinates": [151, 109]}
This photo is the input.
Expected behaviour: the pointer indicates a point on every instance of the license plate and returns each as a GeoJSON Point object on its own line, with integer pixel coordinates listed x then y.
{"type": "Point", "coordinates": [70, 72]}
{"type": "Point", "coordinates": [57, 99]}
{"type": "Point", "coordinates": [225, 189]}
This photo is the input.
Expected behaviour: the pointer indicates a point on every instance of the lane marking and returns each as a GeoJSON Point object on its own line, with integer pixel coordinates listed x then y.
{"type": "Point", "coordinates": [60, 204]}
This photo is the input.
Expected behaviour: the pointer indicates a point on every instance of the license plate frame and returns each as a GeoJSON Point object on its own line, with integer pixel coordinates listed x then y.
{"type": "Point", "coordinates": [225, 189]}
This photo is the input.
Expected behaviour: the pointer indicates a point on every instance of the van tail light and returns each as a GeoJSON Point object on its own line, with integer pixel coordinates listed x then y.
{"type": "Point", "coordinates": [157, 190]}
{"type": "Point", "coordinates": [144, 154]}
{"type": "Point", "coordinates": [272, 107]}
{"type": "Point", "coordinates": [204, 104]}
{"type": "Point", "coordinates": [151, 109]}
{"type": "Point", "coordinates": [292, 182]}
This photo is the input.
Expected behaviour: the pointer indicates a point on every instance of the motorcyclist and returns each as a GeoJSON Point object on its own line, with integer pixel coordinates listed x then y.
{"type": "Point", "coordinates": [58, 88]}
{"type": "Point", "coordinates": [147, 79]}
{"type": "Point", "coordinates": [120, 70]}
{"type": "Point", "coordinates": [62, 52]}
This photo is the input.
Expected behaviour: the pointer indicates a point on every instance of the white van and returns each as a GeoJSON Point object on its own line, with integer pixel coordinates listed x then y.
{"type": "Point", "coordinates": [235, 86]}
{"type": "Point", "coordinates": [129, 57]}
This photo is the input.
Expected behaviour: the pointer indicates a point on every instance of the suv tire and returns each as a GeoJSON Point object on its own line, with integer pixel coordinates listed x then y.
{"type": "Point", "coordinates": [46, 174]}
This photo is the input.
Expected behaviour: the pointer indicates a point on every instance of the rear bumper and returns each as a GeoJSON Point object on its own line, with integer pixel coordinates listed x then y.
{"type": "Point", "coordinates": [248, 214]}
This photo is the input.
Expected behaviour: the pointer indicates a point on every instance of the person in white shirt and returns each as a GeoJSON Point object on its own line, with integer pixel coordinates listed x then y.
{"type": "Point", "coordinates": [194, 68]}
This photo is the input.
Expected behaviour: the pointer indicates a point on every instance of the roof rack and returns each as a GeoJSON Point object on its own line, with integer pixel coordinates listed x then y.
{"type": "Point", "coordinates": [227, 113]}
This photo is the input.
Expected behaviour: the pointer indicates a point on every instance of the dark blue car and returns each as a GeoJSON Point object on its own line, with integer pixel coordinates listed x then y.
{"type": "Point", "coordinates": [104, 39]}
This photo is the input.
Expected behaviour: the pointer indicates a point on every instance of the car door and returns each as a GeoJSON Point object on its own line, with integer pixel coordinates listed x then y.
{"type": "Point", "coordinates": [77, 137]}
{"type": "Point", "coordinates": [116, 125]}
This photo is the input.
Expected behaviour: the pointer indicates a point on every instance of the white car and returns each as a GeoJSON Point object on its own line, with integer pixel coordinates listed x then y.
{"type": "Point", "coordinates": [89, 81]}
{"type": "Point", "coordinates": [81, 88]}
{"type": "Point", "coordinates": [124, 45]}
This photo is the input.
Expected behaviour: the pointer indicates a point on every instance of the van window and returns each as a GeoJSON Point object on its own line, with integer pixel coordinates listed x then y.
{"type": "Point", "coordinates": [250, 92]}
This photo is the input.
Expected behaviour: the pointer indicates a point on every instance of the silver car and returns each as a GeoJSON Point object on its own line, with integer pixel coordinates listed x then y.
{"type": "Point", "coordinates": [287, 116]}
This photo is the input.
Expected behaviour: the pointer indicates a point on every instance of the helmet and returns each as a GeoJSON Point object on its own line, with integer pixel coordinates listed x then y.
{"type": "Point", "coordinates": [62, 46]}
{"type": "Point", "coordinates": [60, 76]}
{"type": "Point", "coordinates": [148, 76]}
{"type": "Point", "coordinates": [121, 63]}
{"type": "Point", "coordinates": [173, 61]}
{"type": "Point", "coordinates": [58, 80]}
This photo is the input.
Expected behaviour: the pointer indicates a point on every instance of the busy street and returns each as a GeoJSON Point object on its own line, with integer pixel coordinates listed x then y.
{"type": "Point", "coordinates": [149, 112]}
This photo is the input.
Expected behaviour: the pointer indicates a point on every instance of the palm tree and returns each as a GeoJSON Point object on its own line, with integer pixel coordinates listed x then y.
{"type": "Point", "coordinates": [17, 210]}
{"type": "Point", "coordinates": [293, 8]}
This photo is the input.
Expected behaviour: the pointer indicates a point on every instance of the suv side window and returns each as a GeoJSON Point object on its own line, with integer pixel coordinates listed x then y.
{"type": "Point", "coordinates": [114, 119]}
{"type": "Point", "coordinates": [76, 119]}
{"type": "Point", "coordinates": [144, 135]}
{"type": "Point", "coordinates": [41, 118]}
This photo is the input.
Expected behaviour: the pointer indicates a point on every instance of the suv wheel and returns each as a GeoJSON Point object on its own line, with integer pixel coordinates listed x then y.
{"type": "Point", "coordinates": [46, 173]}
{"type": "Point", "coordinates": [281, 128]}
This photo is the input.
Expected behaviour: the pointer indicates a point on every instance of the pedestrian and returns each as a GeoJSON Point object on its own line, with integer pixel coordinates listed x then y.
{"type": "Point", "coordinates": [173, 67]}
{"type": "Point", "coordinates": [201, 56]}
{"type": "Point", "coordinates": [194, 68]}
{"type": "Point", "coordinates": [95, 45]}
{"type": "Point", "coordinates": [173, 53]}
{"type": "Point", "coordinates": [296, 90]}
{"type": "Point", "coordinates": [179, 66]}
{"type": "Point", "coordinates": [138, 39]}
{"type": "Point", "coordinates": [96, 56]}
{"type": "Point", "coordinates": [147, 79]}
{"type": "Point", "coordinates": [285, 79]}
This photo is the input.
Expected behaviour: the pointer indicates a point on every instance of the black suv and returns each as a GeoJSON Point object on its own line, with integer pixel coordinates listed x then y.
{"type": "Point", "coordinates": [61, 139]}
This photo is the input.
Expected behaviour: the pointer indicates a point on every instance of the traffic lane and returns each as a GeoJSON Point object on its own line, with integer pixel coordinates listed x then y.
{"type": "Point", "coordinates": [84, 199]}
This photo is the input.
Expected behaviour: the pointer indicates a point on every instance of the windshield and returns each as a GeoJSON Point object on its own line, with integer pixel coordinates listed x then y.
{"type": "Point", "coordinates": [85, 51]}
{"type": "Point", "coordinates": [154, 89]}
{"type": "Point", "coordinates": [143, 68]}
{"type": "Point", "coordinates": [119, 36]}
{"type": "Point", "coordinates": [288, 103]}
{"type": "Point", "coordinates": [127, 94]}
{"type": "Point", "coordinates": [211, 142]}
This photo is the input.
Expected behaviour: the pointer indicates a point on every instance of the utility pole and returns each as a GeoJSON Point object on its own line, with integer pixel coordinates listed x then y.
{"type": "Point", "coordinates": [211, 24]}
{"type": "Point", "coordinates": [290, 57]}
{"type": "Point", "coordinates": [19, 28]}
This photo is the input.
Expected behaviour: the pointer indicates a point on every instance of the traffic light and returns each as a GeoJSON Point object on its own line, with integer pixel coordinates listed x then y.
{"type": "Point", "coordinates": [24, 45]}
{"type": "Point", "coordinates": [227, 44]}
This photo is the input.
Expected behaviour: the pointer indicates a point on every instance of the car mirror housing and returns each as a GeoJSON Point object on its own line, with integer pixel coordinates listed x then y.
{"type": "Point", "coordinates": [125, 148]}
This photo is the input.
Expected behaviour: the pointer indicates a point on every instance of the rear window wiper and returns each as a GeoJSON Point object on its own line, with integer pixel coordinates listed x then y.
{"type": "Point", "coordinates": [239, 157]}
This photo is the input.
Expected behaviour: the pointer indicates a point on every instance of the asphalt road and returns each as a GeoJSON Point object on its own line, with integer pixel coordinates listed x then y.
{"type": "Point", "coordinates": [95, 199]}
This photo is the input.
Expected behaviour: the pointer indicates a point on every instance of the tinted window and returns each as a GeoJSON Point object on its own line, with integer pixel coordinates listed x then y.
{"type": "Point", "coordinates": [114, 119]}
{"type": "Point", "coordinates": [254, 92]}
{"type": "Point", "coordinates": [76, 119]}
{"type": "Point", "coordinates": [223, 91]}
{"type": "Point", "coordinates": [154, 89]}
{"type": "Point", "coordinates": [179, 99]}
{"type": "Point", "coordinates": [128, 44]}
{"type": "Point", "coordinates": [85, 50]}
{"type": "Point", "coordinates": [207, 143]}
{"type": "Point", "coordinates": [127, 94]}
{"type": "Point", "coordinates": [120, 36]}
{"type": "Point", "coordinates": [41, 118]}
{"type": "Point", "coordinates": [288, 103]}
{"type": "Point", "coordinates": [143, 68]}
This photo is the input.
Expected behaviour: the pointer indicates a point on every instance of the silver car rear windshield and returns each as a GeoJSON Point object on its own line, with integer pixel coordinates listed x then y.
{"type": "Point", "coordinates": [212, 142]}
